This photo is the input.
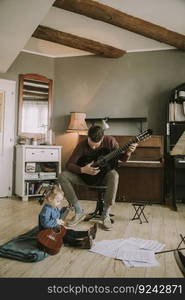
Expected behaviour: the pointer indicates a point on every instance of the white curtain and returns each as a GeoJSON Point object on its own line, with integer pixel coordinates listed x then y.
{"type": "Point", "coordinates": [35, 116]}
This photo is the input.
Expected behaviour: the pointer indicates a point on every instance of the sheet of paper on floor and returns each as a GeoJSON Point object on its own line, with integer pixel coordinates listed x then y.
{"type": "Point", "coordinates": [143, 264]}
{"type": "Point", "coordinates": [147, 244]}
{"type": "Point", "coordinates": [108, 247]}
{"type": "Point", "coordinates": [132, 251]}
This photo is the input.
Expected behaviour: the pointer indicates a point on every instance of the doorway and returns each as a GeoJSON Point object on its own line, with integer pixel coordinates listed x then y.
{"type": "Point", "coordinates": [7, 135]}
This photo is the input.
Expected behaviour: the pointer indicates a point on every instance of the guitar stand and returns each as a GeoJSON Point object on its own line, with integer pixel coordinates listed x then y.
{"type": "Point", "coordinates": [178, 247]}
{"type": "Point", "coordinates": [139, 212]}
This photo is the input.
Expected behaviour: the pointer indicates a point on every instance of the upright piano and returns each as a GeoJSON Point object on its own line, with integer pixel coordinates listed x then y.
{"type": "Point", "coordinates": [142, 177]}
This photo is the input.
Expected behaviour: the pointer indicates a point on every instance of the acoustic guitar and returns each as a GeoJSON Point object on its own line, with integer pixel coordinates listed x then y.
{"type": "Point", "coordinates": [106, 160]}
{"type": "Point", "coordinates": [51, 239]}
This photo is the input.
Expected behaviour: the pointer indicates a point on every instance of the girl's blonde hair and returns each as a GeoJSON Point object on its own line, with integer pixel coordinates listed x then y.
{"type": "Point", "coordinates": [53, 192]}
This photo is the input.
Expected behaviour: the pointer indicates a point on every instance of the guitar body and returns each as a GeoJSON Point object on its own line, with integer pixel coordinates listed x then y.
{"type": "Point", "coordinates": [104, 167]}
{"type": "Point", "coordinates": [51, 239]}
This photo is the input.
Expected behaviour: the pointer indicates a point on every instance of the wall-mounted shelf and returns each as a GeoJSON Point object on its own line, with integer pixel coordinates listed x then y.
{"type": "Point", "coordinates": [131, 119]}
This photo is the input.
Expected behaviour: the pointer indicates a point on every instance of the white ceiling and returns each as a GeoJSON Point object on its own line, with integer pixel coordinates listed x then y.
{"type": "Point", "coordinates": [19, 19]}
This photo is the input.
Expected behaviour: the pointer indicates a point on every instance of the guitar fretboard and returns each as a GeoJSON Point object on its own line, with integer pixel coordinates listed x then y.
{"type": "Point", "coordinates": [114, 154]}
{"type": "Point", "coordinates": [117, 152]}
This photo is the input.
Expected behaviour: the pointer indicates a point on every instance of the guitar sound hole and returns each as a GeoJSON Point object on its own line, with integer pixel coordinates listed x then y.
{"type": "Point", "coordinates": [56, 229]}
{"type": "Point", "coordinates": [51, 237]}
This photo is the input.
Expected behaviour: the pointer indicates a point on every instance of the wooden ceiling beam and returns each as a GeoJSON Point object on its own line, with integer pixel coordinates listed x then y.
{"type": "Point", "coordinates": [71, 40]}
{"type": "Point", "coordinates": [118, 18]}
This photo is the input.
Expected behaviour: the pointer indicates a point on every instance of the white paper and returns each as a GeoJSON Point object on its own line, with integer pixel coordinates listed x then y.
{"type": "Point", "coordinates": [143, 264]}
{"type": "Point", "coordinates": [107, 247]}
{"type": "Point", "coordinates": [135, 255]}
{"type": "Point", "coordinates": [134, 252]}
{"type": "Point", "coordinates": [147, 244]}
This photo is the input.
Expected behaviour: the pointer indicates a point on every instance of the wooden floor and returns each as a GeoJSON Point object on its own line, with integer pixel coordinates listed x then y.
{"type": "Point", "coordinates": [165, 225]}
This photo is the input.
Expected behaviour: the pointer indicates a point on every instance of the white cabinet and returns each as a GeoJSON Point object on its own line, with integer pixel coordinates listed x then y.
{"type": "Point", "coordinates": [36, 167]}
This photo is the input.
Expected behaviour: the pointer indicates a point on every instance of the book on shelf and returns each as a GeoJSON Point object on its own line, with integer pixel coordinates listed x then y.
{"type": "Point", "coordinates": [176, 111]}
{"type": "Point", "coordinates": [44, 188]}
{"type": "Point", "coordinates": [172, 111]}
{"type": "Point", "coordinates": [35, 188]}
{"type": "Point", "coordinates": [179, 112]}
{"type": "Point", "coordinates": [31, 176]}
{"type": "Point", "coordinates": [30, 167]}
{"type": "Point", "coordinates": [30, 188]}
{"type": "Point", "coordinates": [47, 175]}
{"type": "Point", "coordinates": [27, 188]}
{"type": "Point", "coordinates": [38, 189]}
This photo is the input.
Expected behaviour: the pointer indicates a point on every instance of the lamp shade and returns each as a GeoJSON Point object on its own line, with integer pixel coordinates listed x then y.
{"type": "Point", "coordinates": [77, 122]}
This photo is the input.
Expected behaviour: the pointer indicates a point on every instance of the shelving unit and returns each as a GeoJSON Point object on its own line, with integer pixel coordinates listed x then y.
{"type": "Point", "coordinates": [175, 166]}
{"type": "Point", "coordinates": [32, 171]}
{"type": "Point", "coordinates": [139, 120]}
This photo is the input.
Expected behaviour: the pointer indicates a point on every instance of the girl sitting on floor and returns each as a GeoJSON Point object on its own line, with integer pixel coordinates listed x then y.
{"type": "Point", "coordinates": [51, 216]}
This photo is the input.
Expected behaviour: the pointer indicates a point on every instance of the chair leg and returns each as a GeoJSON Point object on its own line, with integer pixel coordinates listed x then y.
{"type": "Point", "coordinates": [100, 203]}
{"type": "Point", "coordinates": [99, 208]}
{"type": "Point", "coordinates": [142, 214]}
{"type": "Point", "coordinates": [137, 214]}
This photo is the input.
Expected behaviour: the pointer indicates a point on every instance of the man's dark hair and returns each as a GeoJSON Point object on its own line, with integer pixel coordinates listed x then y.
{"type": "Point", "coordinates": [96, 133]}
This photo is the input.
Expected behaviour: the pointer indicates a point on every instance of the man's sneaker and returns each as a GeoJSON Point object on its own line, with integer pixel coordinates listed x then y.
{"type": "Point", "coordinates": [92, 230]}
{"type": "Point", "coordinates": [107, 223]}
{"type": "Point", "coordinates": [86, 243]}
{"type": "Point", "coordinates": [77, 219]}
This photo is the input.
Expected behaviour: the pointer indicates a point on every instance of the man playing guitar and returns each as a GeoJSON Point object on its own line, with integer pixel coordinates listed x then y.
{"type": "Point", "coordinates": [77, 173]}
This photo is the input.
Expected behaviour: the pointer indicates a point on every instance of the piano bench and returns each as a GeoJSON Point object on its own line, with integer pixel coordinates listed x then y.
{"type": "Point", "coordinates": [139, 212]}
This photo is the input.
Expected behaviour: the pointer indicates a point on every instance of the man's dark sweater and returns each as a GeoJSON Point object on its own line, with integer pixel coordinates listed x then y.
{"type": "Point", "coordinates": [83, 149]}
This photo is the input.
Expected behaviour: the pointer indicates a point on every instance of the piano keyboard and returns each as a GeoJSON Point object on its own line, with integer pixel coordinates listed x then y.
{"type": "Point", "coordinates": [144, 161]}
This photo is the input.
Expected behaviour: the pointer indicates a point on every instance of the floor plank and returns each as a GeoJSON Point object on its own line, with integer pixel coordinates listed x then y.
{"type": "Point", "coordinates": [165, 226]}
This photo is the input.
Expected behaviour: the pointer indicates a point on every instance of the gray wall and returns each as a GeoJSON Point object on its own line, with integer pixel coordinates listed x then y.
{"type": "Point", "coordinates": [136, 85]}
{"type": "Point", "coordinates": [30, 63]}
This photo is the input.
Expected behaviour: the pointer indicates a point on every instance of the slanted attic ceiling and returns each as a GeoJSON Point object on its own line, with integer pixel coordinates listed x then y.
{"type": "Point", "coordinates": [19, 19]}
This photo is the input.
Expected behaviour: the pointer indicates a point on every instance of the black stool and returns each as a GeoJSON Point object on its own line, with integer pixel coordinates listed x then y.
{"type": "Point", "coordinates": [139, 212]}
{"type": "Point", "coordinates": [100, 189]}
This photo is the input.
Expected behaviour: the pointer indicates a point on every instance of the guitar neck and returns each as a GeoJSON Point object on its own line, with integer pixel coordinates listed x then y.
{"type": "Point", "coordinates": [118, 151]}
{"type": "Point", "coordinates": [115, 153]}
{"type": "Point", "coordinates": [66, 212]}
